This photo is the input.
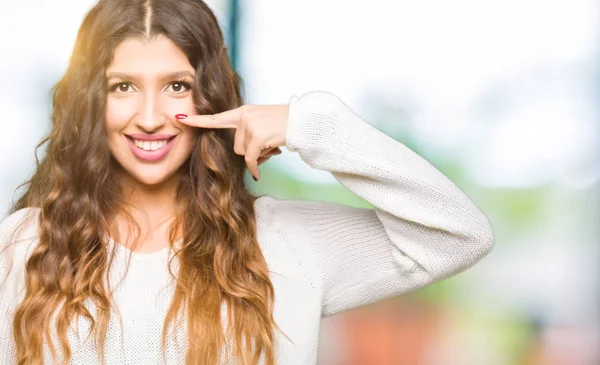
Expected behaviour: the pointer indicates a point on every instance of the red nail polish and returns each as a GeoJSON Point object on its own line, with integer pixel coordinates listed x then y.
{"type": "Point", "coordinates": [180, 116]}
{"type": "Point", "coordinates": [255, 179]}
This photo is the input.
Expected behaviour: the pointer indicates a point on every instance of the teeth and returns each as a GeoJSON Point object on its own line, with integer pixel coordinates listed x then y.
{"type": "Point", "coordinates": [150, 145]}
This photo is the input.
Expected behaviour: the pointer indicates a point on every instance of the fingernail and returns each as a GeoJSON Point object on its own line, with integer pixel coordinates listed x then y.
{"type": "Point", "coordinates": [180, 116]}
{"type": "Point", "coordinates": [255, 179]}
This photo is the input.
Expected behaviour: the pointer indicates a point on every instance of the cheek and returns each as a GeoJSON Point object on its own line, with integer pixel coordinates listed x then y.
{"type": "Point", "coordinates": [117, 114]}
{"type": "Point", "coordinates": [174, 106]}
{"type": "Point", "coordinates": [120, 111]}
{"type": "Point", "coordinates": [189, 139]}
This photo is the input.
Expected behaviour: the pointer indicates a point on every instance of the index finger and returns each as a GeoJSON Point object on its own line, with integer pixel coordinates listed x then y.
{"type": "Point", "coordinates": [226, 119]}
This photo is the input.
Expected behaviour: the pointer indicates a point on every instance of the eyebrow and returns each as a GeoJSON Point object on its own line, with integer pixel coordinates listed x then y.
{"type": "Point", "coordinates": [133, 76]}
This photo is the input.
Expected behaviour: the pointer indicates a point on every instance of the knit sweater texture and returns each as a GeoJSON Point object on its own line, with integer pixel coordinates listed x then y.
{"type": "Point", "coordinates": [324, 258]}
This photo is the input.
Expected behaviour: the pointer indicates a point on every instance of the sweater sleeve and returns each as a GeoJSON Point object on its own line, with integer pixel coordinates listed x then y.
{"type": "Point", "coordinates": [422, 229]}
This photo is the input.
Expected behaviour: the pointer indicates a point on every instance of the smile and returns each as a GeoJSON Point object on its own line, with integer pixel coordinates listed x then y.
{"type": "Point", "coordinates": [150, 145]}
{"type": "Point", "coordinates": [150, 150]}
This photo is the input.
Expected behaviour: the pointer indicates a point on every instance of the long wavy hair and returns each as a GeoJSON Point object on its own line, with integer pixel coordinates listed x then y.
{"type": "Point", "coordinates": [78, 193]}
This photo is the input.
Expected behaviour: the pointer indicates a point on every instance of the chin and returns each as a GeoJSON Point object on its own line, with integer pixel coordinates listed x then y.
{"type": "Point", "coordinates": [150, 175]}
{"type": "Point", "coordinates": [151, 180]}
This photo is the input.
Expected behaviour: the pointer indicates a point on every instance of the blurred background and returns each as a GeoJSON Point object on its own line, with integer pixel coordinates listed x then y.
{"type": "Point", "coordinates": [501, 96]}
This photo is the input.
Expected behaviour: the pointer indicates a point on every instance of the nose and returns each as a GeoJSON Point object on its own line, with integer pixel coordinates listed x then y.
{"type": "Point", "coordinates": [151, 116]}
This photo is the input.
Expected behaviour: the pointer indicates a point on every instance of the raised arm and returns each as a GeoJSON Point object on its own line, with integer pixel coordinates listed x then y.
{"type": "Point", "coordinates": [423, 228]}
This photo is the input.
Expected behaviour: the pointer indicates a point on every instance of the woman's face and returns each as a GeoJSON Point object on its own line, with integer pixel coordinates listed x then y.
{"type": "Point", "coordinates": [149, 83]}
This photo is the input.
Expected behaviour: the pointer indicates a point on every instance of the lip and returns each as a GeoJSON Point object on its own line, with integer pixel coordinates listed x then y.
{"type": "Point", "coordinates": [150, 155]}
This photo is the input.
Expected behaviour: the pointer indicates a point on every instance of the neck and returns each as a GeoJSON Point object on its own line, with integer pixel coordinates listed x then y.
{"type": "Point", "coordinates": [156, 203]}
{"type": "Point", "coordinates": [151, 206]}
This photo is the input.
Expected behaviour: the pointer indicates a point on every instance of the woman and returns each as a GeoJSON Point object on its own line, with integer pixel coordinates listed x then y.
{"type": "Point", "coordinates": [138, 217]}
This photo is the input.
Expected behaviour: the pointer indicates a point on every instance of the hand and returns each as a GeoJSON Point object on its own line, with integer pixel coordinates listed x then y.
{"type": "Point", "coordinates": [260, 130]}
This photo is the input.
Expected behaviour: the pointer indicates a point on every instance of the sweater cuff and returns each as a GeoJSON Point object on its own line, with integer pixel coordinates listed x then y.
{"type": "Point", "coordinates": [292, 123]}
{"type": "Point", "coordinates": [306, 118]}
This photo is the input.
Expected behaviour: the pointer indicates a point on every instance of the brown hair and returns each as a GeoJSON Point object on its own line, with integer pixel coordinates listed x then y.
{"type": "Point", "coordinates": [78, 193]}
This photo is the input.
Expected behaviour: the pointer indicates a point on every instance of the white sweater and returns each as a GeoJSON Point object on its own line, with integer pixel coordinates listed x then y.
{"type": "Point", "coordinates": [324, 258]}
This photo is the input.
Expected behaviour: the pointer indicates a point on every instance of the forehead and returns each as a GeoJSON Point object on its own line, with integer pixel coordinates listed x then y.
{"type": "Point", "coordinates": [143, 56]}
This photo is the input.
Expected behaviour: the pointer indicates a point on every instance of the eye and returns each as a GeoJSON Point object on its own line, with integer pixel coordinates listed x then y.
{"type": "Point", "coordinates": [118, 86]}
{"type": "Point", "coordinates": [178, 85]}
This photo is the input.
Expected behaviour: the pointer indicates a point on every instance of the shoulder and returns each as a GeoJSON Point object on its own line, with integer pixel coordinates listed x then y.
{"type": "Point", "coordinates": [18, 236]}
{"type": "Point", "coordinates": [274, 209]}
{"type": "Point", "coordinates": [303, 211]}
{"type": "Point", "coordinates": [305, 232]}
{"type": "Point", "coordinates": [18, 231]}
{"type": "Point", "coordinates": [285, 243]}
{"type": "Point", "coordinates": [20, 225]}
{"type": "Point", "coordinates": [312, 221]}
